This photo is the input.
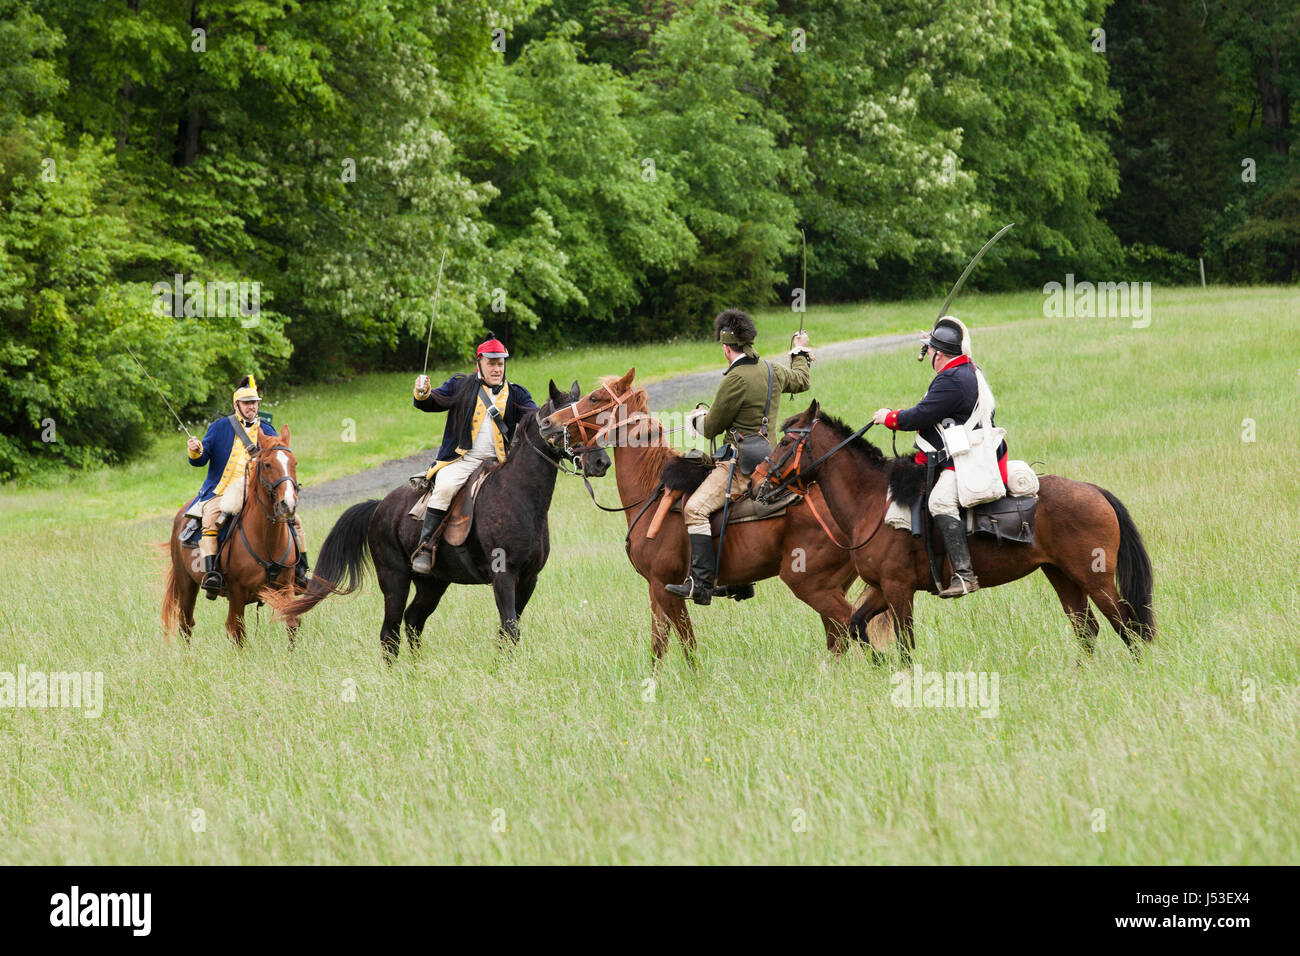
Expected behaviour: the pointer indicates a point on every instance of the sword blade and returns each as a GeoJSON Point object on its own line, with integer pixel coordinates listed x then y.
{"type": "Point", "coordinates": [943, 309]}
{"type": "Point", "coordinates": [159, 390]}
{"type": "Point", "coordinates": [437, 292]}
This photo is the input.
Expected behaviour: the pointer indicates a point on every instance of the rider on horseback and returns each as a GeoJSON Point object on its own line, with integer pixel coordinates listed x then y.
{"type": "Point", "coordinates": [226, 448]}
{"type": "Point", "coordinates": [952, 396]}
{"type": "Point", "coordinates": [483, 410]}
{"type": "Point", "coordinates": [738, 409]}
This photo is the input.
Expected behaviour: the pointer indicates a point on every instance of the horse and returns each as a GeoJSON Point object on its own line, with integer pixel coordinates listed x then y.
{"type": "Point", "coordinates": [792, 545]}
{"type": "Point", "coordinates": [1085, 541]}
{"type": "Point", "coordinates": [258, 550]}
{"type": "Point", "coordinates": [507, 546]}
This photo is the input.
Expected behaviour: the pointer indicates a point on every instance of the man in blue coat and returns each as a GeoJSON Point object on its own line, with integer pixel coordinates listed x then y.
{"type": "Point", "coordinates": [952, 396]}
{"type": "Point", "coordinates": [225, 449]}
{"type": "Point", "coordinates": [482, 412]}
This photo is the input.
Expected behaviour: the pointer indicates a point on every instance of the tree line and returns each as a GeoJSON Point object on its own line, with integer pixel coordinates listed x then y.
{"type": "Point", "coordinates": [594, 170]}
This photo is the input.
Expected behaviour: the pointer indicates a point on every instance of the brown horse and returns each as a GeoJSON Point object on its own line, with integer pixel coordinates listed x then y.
{"type": "Point", "coordinates": [261, 537]}
{"type": "Point", "coordinates": [792, 545]}
{"type": "Point", "coordinates": [1085, 540]}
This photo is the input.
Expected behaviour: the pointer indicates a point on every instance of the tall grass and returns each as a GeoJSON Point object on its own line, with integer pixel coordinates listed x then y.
{"type": "Point", "coordinates": [572, 749]}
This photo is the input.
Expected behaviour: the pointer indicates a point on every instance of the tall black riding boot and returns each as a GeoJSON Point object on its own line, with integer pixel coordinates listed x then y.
{"type": "Point", "coordinates": [699, 586]}
{"type": "Point", "coordinates": [300, 571]}
{"type": "Point", "coordinates": [964, 581]}
{"type": "Point", "coordinates": [422, 559]}
{"type": "Point", "coordinates": [212, 580]}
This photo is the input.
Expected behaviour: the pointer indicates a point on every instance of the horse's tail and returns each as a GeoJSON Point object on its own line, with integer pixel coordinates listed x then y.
{"type": "Point", "coordinates": [171, 606]}
{"type": "Point", "coordinates": [344, 554]}
{"type": "Point", "coordinates": [1133, 574]}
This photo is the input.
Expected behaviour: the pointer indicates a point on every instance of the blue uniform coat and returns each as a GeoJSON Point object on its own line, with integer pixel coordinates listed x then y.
{"type": "Point", "coordinates": [217, 444]}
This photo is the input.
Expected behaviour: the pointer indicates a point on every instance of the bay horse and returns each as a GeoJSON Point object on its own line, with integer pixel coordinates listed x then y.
{"type": "Point", "coordinates": [259, 537]}
{"type": "Point", "coordinates": [792, 546]}
{"type": "Point", "coordinates": [1085, 541]}
{"type": "Point", "coordinates": [507, 546]}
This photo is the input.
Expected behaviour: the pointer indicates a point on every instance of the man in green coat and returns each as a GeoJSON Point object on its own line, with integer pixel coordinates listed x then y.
{"type": "Point", "coordinates": [736, 413]}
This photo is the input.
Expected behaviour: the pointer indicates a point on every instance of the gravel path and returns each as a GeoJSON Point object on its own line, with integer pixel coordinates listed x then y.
{"type": "Point", "coordinates": [668, 393]}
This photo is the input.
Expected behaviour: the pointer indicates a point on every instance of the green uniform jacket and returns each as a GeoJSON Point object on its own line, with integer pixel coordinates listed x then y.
{"type": "Point", "coordinates": [738, 406]}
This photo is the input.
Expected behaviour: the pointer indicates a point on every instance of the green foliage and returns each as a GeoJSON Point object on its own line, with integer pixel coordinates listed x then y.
{"type": "Point", "coordinates": [611, 210]}
{"type": "Point", "coordinates": [614, 170]}
{"type": "Point", "coordinates": [707, 123]}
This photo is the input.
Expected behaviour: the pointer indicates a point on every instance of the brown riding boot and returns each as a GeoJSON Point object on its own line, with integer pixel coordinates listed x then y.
{"type": "Point", "coordinates": [963, 581]}
{"type": "Point", "coordinates": [422, 559]}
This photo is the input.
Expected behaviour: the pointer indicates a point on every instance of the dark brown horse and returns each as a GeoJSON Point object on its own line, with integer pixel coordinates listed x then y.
{"type": "Point", "coordinates": [261, 534]}
{"type": "Point", "coordinates": [1085, 541]}
{"type": "Point", "coordinates": [507, 545]}
{"type": "Point", "coordinates": [792, 546]}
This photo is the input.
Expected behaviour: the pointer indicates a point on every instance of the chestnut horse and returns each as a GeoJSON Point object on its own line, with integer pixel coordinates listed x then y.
{"type": "Point", "coordinates": [1084, 540]}
{"type": "Point", "coordinates": [792, 545]}
{"type": "Point", "coordinates": [261, 534]}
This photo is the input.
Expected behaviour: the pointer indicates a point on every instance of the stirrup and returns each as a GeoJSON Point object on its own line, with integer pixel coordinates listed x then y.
{"type": "Point", "coordinates": [692, 589]}
{"type": "Point", "coordinates": [423, 552]}
{"type": "Point", "coordinates": [960, 586]}
{"type": "Point", "coordinates": [212, 584]}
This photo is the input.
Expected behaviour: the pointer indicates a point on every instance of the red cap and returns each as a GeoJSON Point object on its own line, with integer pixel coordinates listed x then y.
{"type": "Point", "coordinates": [492, 348]}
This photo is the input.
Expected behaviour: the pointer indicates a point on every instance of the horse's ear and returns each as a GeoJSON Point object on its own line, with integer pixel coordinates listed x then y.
{"type": "Point", "coordinates": [814, 410]}
{"type": "Point", "coordinates": [575, 390]}
{"type": "Point", "coordinates": [557, 397]}
{"type": "Point", "coordinates": [284, 435]}
{"type": "Point", "coordinates": [626, 380]}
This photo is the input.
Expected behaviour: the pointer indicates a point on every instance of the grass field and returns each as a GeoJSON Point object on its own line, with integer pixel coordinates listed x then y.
{"type": "Point", "coordinates": [571, 749]}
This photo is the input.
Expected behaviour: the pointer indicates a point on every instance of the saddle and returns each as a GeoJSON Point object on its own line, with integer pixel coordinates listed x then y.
{"type": "Point", "coordinates": [681, 476]}
{"type": "Point", "coordinates": [192, 531]}
{"type": "Point", "coordinates": [460, 515]}
{"type": "Point", "coordinates": [1008, 519]}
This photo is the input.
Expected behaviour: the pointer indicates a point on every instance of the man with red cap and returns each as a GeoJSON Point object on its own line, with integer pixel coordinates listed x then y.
{"type": "Point", "coordinates": [482, 412]}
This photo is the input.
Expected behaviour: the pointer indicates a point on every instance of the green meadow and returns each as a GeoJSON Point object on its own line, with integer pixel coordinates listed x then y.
{"type": "Point", "coordinates": [573, 748]}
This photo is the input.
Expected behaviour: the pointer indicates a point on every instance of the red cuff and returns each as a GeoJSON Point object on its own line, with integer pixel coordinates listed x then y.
{"type": "Point", "coordinates": [891, 421]}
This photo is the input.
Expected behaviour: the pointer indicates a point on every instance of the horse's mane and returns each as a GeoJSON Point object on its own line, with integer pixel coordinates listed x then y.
{"type": "Point", "coordinates": [841, 431]}
{"type": "Point", "coordinates": [654, 454]}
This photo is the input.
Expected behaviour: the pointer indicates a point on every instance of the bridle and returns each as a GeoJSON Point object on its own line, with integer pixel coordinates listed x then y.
{"type": "Point", "coordinates": [592, 435]}
{"type": "Point", "coordinates": [792, 477]}
{"type": "Point", "coordinates": [270, 486]}
{"type": "Point", "coordinates": [272, 568]}
{"type": "Point", "coordinates": [566, 459]}
{"type": "Point", "coordinates": [572, 454]}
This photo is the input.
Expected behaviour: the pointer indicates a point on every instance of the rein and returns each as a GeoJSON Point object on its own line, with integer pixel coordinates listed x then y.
{"type": "Point", "coordinates": [599, 436]}
{"type": "Point", "coordinates": [574, 454]}
{"type": "Point", "coordinates": [798, 473]}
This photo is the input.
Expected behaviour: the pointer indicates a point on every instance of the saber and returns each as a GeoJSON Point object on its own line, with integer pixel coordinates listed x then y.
{"type": "Point", "coordinates": [943, 309]}
{"type": "Point", "coordinates": [961, 281]}
{"type": "Point", "coordinates": [159, 390]}
{"type": "Point", "coordinates": [437, 292]}
{"type": "Point", "coordinates": [803, 288]}
{"type": "Point", "coordinates": [805, 277]}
